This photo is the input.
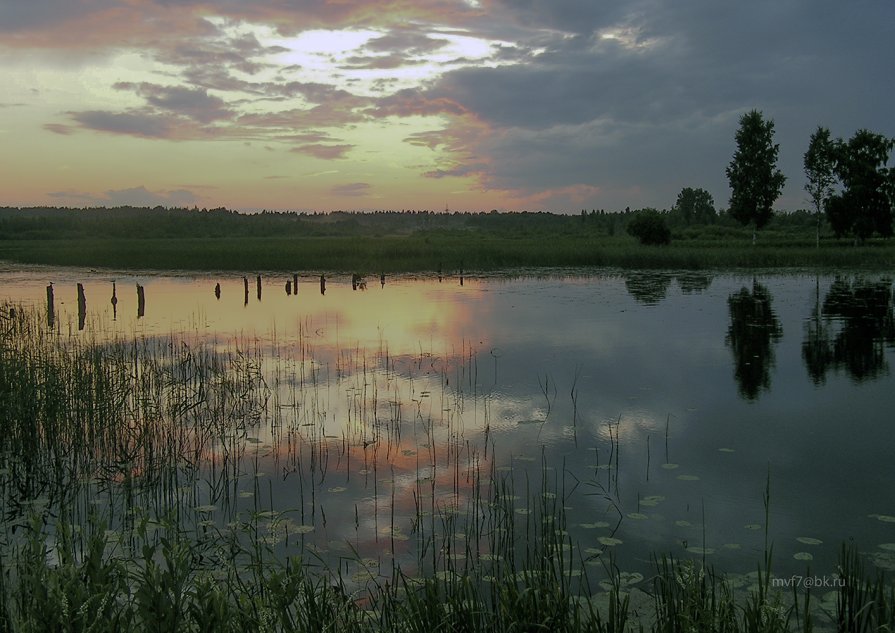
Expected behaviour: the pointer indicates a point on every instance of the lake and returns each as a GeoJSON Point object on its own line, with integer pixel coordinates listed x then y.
{"type": "Point", "coordinates": [705, 415]}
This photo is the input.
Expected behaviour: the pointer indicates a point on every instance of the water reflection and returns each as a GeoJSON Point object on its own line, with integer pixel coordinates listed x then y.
{"type": "Point", "coordinates": [351, 411]}
{"type": "Point", "coordinates": [693, 283]}
{"type": "Point", "coordinates": [753, 329]}
{"type": "Point", "coordinates": [851, 330]}
{"type": "Point", "coordinates": [649, 288]}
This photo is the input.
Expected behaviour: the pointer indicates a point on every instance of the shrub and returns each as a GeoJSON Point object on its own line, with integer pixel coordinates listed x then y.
{"type": "Point", "coordinates": [649, 227]}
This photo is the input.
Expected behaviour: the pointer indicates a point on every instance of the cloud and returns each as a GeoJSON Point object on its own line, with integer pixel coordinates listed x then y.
{"type": "Point", "coordinates": [145, 125]}
{"type": "Point", "coordinates": [353, 189]}
{"type": "Point", "coordinates": [135, 197]}
{"type": "Point", "coordinates": [323, 152]}
{"type": "Point", "coordinates": [141, 197]}
{"type": "Point", "coordinates": [194, 103]}
{"type": "Point", "coordinates": [616, 104]}
{"type": "Point", "coordinates": [58, 128]}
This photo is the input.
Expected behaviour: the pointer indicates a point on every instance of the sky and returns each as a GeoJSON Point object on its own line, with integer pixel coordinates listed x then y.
{"type": "Point", "coordinates": [469, 105]}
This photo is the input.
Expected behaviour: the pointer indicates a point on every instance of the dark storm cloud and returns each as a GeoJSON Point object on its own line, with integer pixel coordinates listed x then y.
{"type": "Point", "coordinates": [646, 100]}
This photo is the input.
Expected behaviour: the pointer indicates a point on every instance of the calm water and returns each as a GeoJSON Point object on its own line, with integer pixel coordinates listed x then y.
{"type": "Point", "coordinates": [661, 405]}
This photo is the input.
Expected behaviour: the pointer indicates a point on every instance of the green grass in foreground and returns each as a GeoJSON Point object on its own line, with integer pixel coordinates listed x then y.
{"type": "Point", "coordinates": [422, 252]}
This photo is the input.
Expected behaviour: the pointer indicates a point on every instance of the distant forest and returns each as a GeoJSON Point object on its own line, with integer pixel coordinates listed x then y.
{"type": "Point", "coordinates": [45, 223]}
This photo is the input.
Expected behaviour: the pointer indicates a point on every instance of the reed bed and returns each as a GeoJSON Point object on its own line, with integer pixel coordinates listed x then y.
{"type": "Point", "coordinates": [144, 486]}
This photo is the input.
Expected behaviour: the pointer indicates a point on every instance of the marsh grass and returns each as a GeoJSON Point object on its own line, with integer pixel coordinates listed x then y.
{"type": "Point", "coordinates": [429, 252]}
{"type": "Point", "coordinates": [130, 473]}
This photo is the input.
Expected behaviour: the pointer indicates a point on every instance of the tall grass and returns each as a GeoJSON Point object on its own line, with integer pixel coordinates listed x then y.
{"type": "Point", "coordinates": [132, 501]}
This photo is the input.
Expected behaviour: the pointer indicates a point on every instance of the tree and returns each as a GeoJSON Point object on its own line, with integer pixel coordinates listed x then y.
{"type": "Point", "coordinates": [865, 204]}
{"type": "Point", "coordinates": [755, 181]}
{"type": "Point", "coordinates": [649, 227]}
{"type": "Point", "coordinates": [819, 162]}
{"type": "Point", "coordinates": [694, 206]}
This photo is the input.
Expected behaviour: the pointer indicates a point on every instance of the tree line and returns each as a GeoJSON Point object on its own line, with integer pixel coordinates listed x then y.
{"type": "Point", "coordinates": [849, 183]}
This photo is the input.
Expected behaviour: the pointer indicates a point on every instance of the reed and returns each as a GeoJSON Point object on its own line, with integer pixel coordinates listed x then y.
{"type": "Point", "coordinates": [140, 482]}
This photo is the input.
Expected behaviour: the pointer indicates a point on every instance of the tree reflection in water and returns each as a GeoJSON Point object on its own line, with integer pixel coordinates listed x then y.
{"type": "Point", "coordinates": [649, 288]}
{"type": "Point", "coordinates": [851, 330]}
{"type": "Point", "coordinates": [753, 327]}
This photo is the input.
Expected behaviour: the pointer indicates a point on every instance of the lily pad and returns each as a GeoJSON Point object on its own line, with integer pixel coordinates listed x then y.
{"type": "Point", "coordinates": [726, 450]}
{"type": "Point", "coordinates": [702, 551]}
{"type": "Point", "coordinates": [885, 518]}
{"type": "Point", "coordinates": [610, 541]}
{"type": "Point", "coordinates": [807, 540]}
{"type": "Point", "coordinates": [623, 580]}
{"type": "Point", "coordinates": [688, 477]}
{"type": "Point", "coordinates": [889, 547]}
{"type": "Point", "coordinates": [637, 516]}
{"type": "Point", "coordinates": [683, 523]}
{"type": "Point", "coordinates": [670, 466]}
{"type": "Point", "coordinates": [803, 556]}
{"type": "Point", "coordinates": [592, 526]}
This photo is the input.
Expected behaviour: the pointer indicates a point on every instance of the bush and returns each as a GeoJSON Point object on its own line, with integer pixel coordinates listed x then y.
{"type": "Point", "coordinates": [649, 227]}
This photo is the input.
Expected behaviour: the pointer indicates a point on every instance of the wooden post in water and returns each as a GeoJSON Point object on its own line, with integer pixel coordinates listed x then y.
{"type": "Point", "coordinates": [141, 302]}
{"type": "Point", "coordinates": [51, 306]}
{"type": "Point", "coordinates": [258, 286]}
{"type": "Point", "coordinates": [217, 291]}
{"type": "Point", "coordinates": [295, 284]}
{"type": "Point", "coordinates": [354, 281]}
{"type": "Point", "coordinates": [288, 287]}
{"type": "Point", "coordinates": [245, 283]}
{"type": "Point", "coordinates": [322, 285]}
{"type": "Point", "coordinates": [114, 303]}
{"type": "Point", "coordinates": [382, 280]}
{"type": "Point", "coordinates": [82, 307]}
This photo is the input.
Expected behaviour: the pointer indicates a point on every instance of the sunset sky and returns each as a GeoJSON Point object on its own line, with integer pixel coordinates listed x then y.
{"type": "Point", "coordinates": [551, 105]}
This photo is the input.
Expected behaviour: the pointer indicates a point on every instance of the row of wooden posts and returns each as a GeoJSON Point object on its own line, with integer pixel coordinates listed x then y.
{"type": "Point", "coordinates": [82, 304]}
{"type": "Point", "coordinates": [357, 283]}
